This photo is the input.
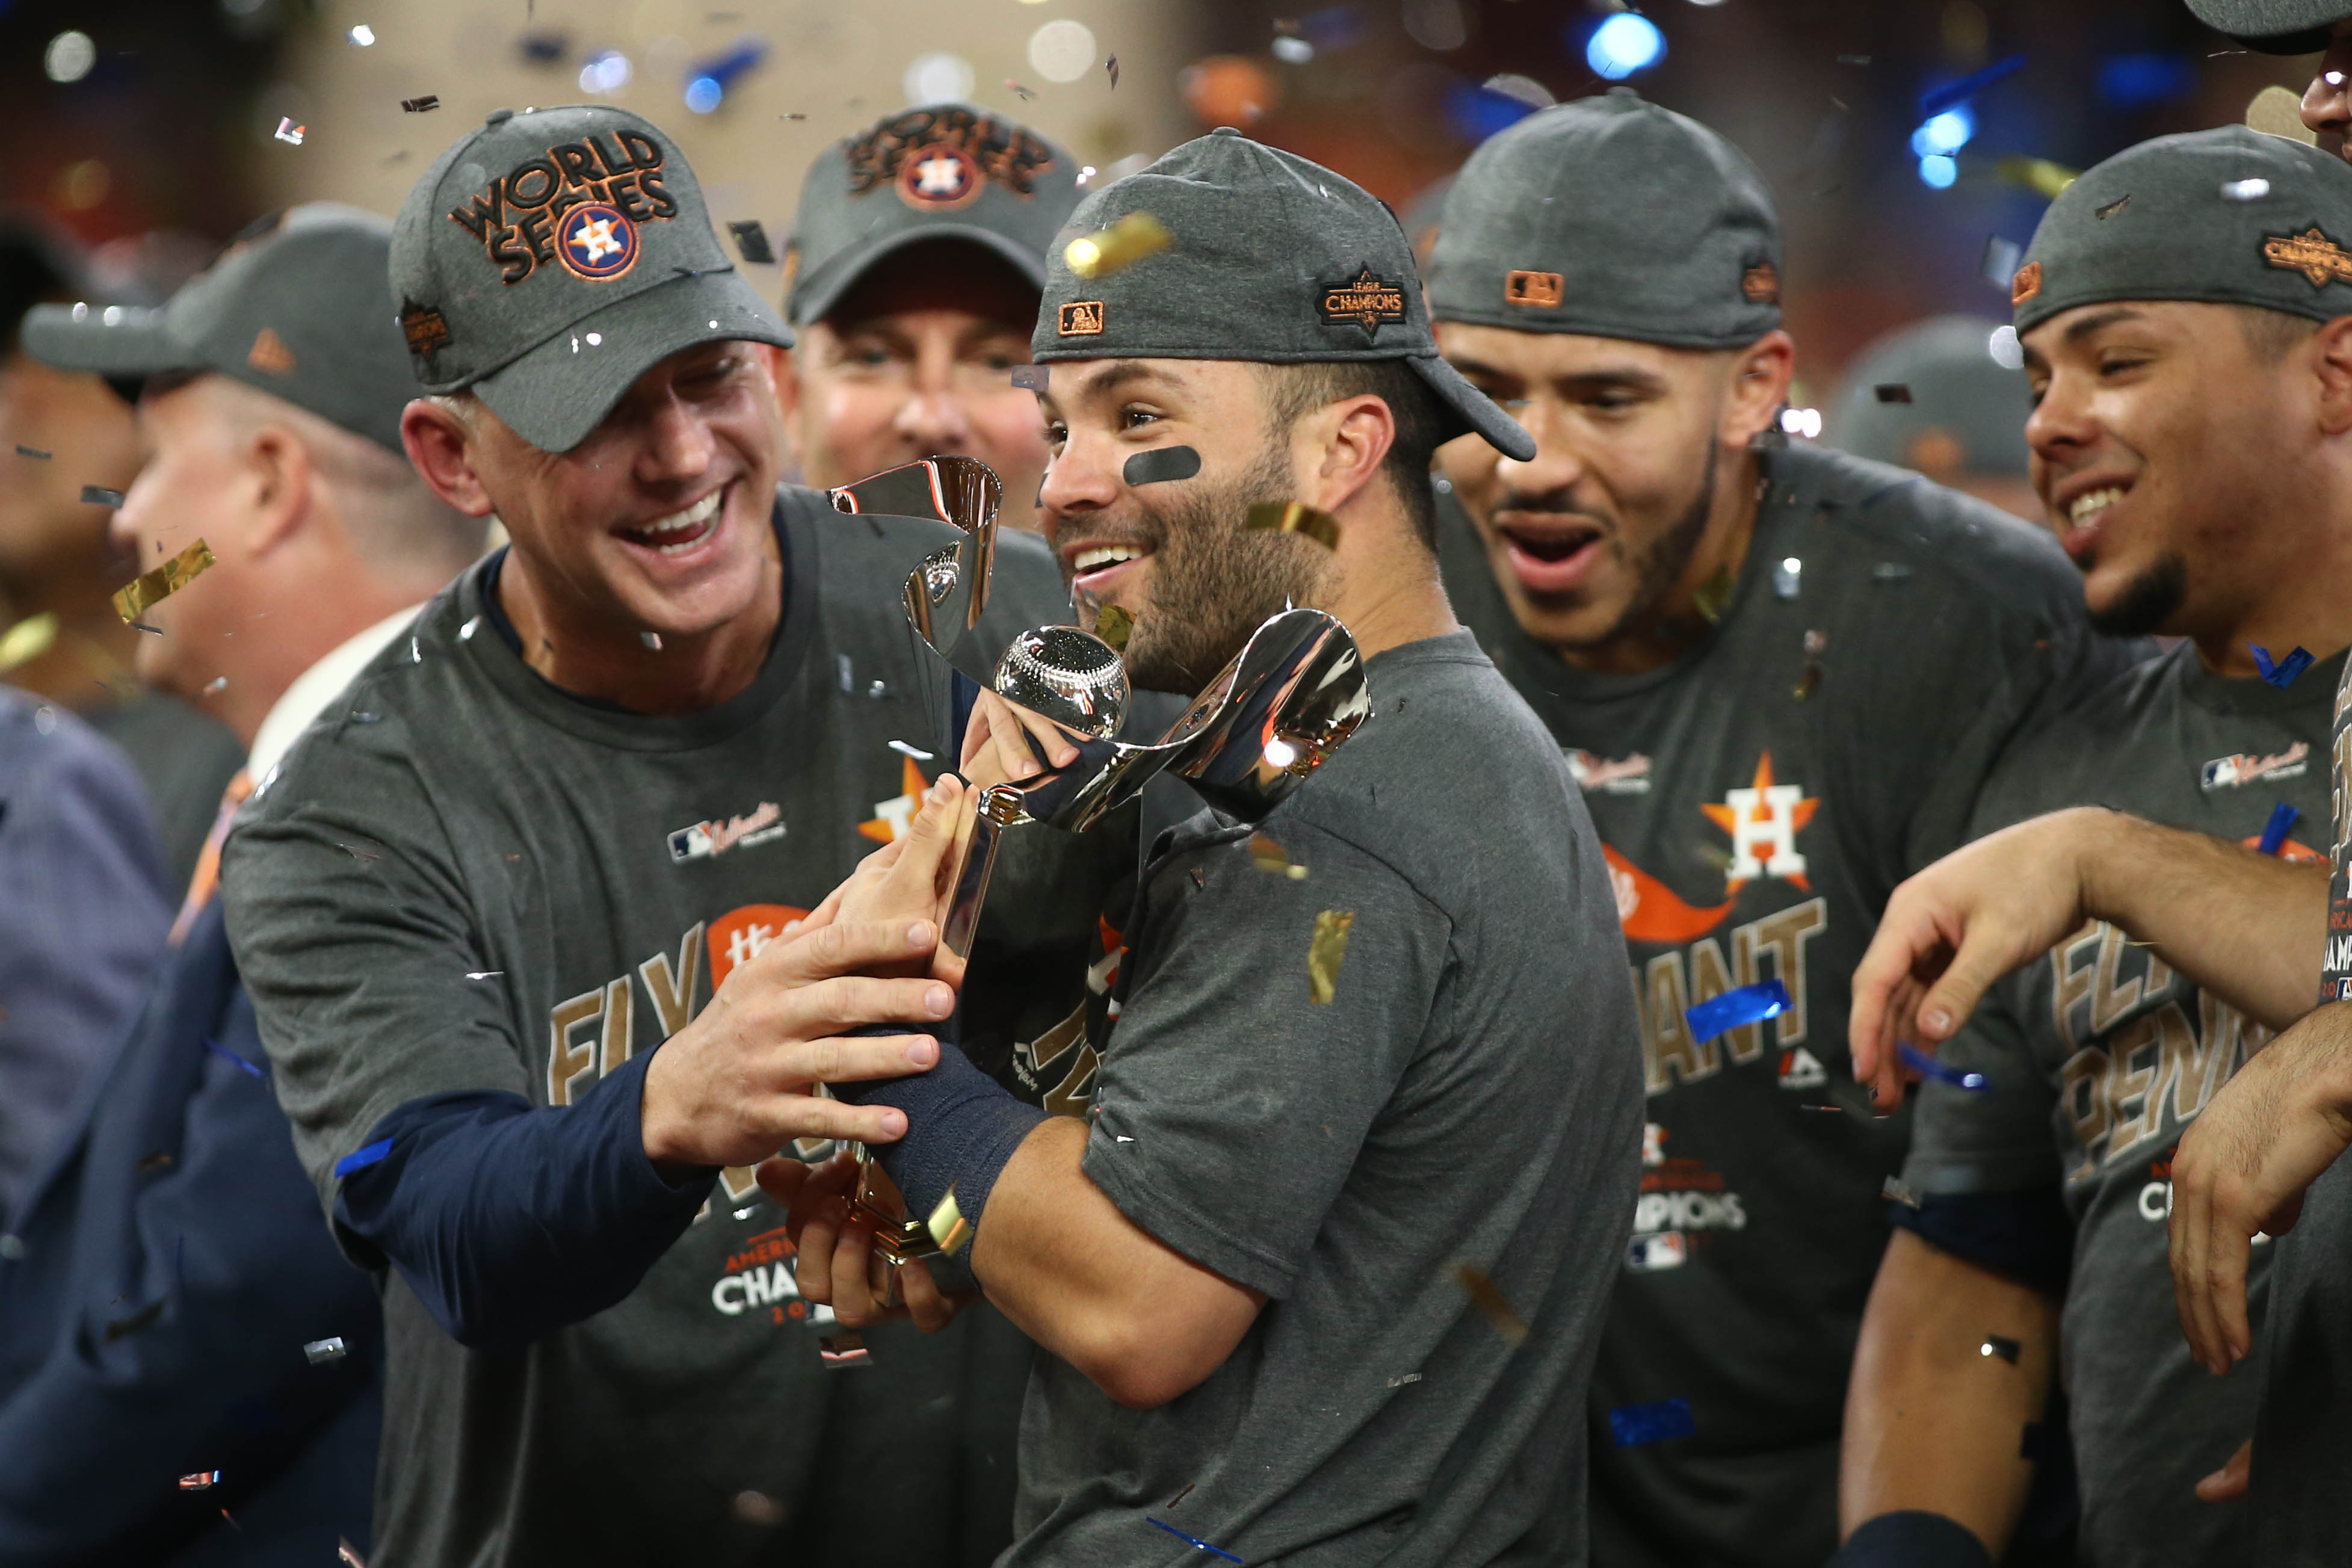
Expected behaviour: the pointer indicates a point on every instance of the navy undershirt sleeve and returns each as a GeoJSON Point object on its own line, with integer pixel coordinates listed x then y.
{"type": "Point", "coordinates": [509, 1222]}
{"type": "Point", "coordinates": [2024, 1236]}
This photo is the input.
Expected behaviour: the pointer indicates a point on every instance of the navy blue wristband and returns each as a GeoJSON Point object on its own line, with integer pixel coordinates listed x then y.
{"type": "Point", "coordinates": [1912, 1538]}
{"type": "Point", "coordinates": [961, 1128]}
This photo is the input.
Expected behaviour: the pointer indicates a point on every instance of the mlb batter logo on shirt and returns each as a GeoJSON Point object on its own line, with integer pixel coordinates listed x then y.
{"type": "Point", "coordinates": [599, 243]}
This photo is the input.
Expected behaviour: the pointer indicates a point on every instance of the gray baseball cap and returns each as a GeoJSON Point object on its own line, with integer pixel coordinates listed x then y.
{"type": "Point", "coordinates": [1953, 390]}
{"type": "Point", "coordinates": [550, 257]}
{"type": "Point", "coordinates": [298, 310]}
{"type": "Point", "coordinates": [2228, 216]}
{"type": "Point", "coordinates": [1611, 218]}
{"type": "Point", "coordinates": [2274, 26]}
{"type": "Point", "coordinates": [945, 171]}
{"type": "Point", "coordinates": [1272, 259]}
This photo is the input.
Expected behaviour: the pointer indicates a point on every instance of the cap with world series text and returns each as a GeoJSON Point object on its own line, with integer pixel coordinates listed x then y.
{"type": "Point", "coordinates": [1271, 258]}
{"type": "Point", "coordinates": [2228, 216]}
{"type": "Point", "coordinates": [2274, 27]}
{"type": "Point", "coordinates": [1611, 218]}
{"type": "Point", "coordinates": [942, 170]}
{"type": "Point", "coordinates": [297, 307]}
{"type": "Point", "coordinates": [553, 257]}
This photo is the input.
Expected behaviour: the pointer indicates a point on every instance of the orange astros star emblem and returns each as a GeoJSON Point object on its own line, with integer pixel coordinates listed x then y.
{"type": "Point", "coordinates": [894, 818]}
{"type": "Point", "coordinates": [1763, 821]}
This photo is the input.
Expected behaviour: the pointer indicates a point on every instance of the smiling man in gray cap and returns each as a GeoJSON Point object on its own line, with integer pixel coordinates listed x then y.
{"type": "Point", "coordinates": [1320, 1273]}
{"type": "Point", "coordinates": [517, 916]}
{"type": "Point", "coordinates": [911, 283]}
{"type": "Point", "coordinates": [1781, 675]}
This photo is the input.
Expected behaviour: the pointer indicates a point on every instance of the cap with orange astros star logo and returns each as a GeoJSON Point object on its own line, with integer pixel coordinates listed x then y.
{"type": "Point", "coordinates": [1766, 816]}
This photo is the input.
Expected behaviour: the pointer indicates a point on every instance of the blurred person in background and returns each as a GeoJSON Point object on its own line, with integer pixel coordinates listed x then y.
{"type": "Point", "coordinates": [1935, 398]}
{"type": "Point", "coordinates": [911, 283]}
{"type": "Point", "coordinates": [60, 432]}
{"type": "Point", "coordinates": [1781, 675]}
{"type": "Point", "coordinates": [174, 1305]}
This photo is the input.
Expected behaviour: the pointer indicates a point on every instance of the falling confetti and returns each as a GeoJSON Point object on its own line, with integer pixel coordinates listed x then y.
{"type": "Point", "coordinates": [1294, 517]}
{"type": "Point", "coordinates": [2280, 674]}
{"type": "Point", "coordinates": [2113, 207]}
{"type": "Point", "coordinates": [1999, 263]}
{"type": "Point", "coordinates": [841, 1353]}
{"type": "Point", "coordinates": [290, 131]}
{"type": "Point", "coordinates": [1659, 1421]}
{"type": "Point", "coordinates": [1714, 593]}
{"type": "Point", "coordinates": [98, 495]}
{"type": "Point", "coordinates": [1122, 245]}
{"type": "Point", "coordinates": [1180, 1497]}
{"type": "Point", "coordinates": [1111, 66]}
{"type": "Point", "coordinates": [1925, 1066]}
{"type": "Point", "coordinates": [1195, 1542]}
{"type": "Point", "coordinates": [322, 1351]}
{"type": "Point", "coordinates": [425, 105]}
{"type": "Point", "coordinates": [2037, 174]}
{"type": "Point", "coordinates": [949, 1230]}
{"type": "Point", "coordinates": [2244, 190]}
{"type": "Point", "coordinates": [133, 599]}
{"type": "Point", "coordinates": [1893, 393]}
{"type": "Point", "coordinates": [1114, 626]}
{"type": "Point", "coordinates": [24, 451]}
{"type": "Point", "coordinates": [1488, 1298]}
{"type": "Point", "coordinates": [751, 242]}
{"type": "Point", "coordinates": [1968, 86]}
{"type": "Point", "coordinates": [1032, 377]}
{"type": "Point", "coordinates": [1022, 93]}
{"type": "Point", "coordinates": [483, 973]}
{"type": "Point", "coordinates": [1897, 1191]}
{"type": "Point", "coordinates": [1745, 1005]}
{"type": "Point", "coordinates": [651, 640]}
{"type": "Point", "coordinates": [348, 1554]}
{"type": "Point", "coordinates": [218, 685]}
{"type": "Point", "coordinates": [363, 36]}
{"type": "Point", "coordinates": [1401, 1382]}
{"type": "Point", "coordinates": [223, 1052]}
{"type": "Point", "coordinates": [361, 1159]}
{"type": "Point", "coordinates": [28, 639]}
{"type": "Point", "coordinates": [1326, 950]}
{"type": "Point", "coordinates": [2274, 831]}
{"type": "Point", "coordinates": [904, 750]}
{"type": "Point", "coordinates": [199, 1482]}
{"type": "Point", "coordinates": [2001, 1345]}
{"type": "Point", "coordinates": [1268, 856]}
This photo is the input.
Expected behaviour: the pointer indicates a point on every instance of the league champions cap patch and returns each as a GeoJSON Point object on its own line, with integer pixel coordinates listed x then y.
{"type": "Point", "coordinates": [579, 206]}
{"type": "Point", "coordinates": [1535, 289]}
{"type": "Point", "coordinates": [1366, 301]}
{"type": "Point", "coordinates": [2320, 259]}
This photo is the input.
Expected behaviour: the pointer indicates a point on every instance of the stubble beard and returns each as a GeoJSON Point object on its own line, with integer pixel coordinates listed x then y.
{"type": "Point", "coordinates": [2147, 602]}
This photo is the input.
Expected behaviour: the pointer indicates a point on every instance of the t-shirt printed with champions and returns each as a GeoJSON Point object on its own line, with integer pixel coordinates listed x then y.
{"type": "Point", "coordinates": [1758, 799]}
{"type": "Point", "coordinates": [462, 879]}
{"type": "Point", "coordinates": [2096, 1060]}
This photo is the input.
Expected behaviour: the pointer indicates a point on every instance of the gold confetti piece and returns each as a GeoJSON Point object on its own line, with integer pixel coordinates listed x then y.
{"type": "Point", "coordinates": [1327, 951]}
{"type": "Point", "coordinates": [949, 1230]}
{"type": "Point", "coordinates": [2037, 174]}
{"type": "Point", "coordinates": [2113, 207]}
{"type": "Point", "coordinates": [1123, 243]}
{"type": "Point", "coordinates": [1295, 517]}
{"type": "Point", "coordinates": [841, 1351]}
{"type": "Point", "coordinates": [1114, 626]}
{"type": "Point", "coordinates": [27, 640]}
{"type": "Point", "coordinates": [2278, 112]}
{"type": "Point", "coordinates": [1488, 1298]}
{"type": "Point", "coordinates": [132, 600]}
{"type": "Point", "coordinates": [1268, 856]}
{"type": "Point", "coordinates": [348, 1554]}
{"type": "Point", "coordinates": [424, 105]}
{"type": "Point", "coordinates": [1714, 593]}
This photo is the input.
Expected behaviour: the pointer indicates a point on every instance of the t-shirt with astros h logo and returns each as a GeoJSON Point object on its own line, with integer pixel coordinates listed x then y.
{"type": "Point", "coordinates": [463, 880]}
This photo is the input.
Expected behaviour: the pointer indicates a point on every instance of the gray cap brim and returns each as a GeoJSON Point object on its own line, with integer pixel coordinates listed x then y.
{"type": "Point", "coordinates": [135, 344]}
{"type": "Point", "coordinates": [820, 292]}
{"type": "Point", "coordinates": [554, 396]}
{"type": "Point", "coordinates": [2274, 26]}
{"type": "Point", "coordinates": [1478, 413]}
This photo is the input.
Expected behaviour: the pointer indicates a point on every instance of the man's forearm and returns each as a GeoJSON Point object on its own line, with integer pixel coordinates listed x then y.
{"type": "Point", "coordinates": [1932, 1423]}
{"type": "Point", "coordinates": [2251, 929]}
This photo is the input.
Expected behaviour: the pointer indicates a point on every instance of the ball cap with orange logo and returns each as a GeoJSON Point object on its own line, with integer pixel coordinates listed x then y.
{"type": "Point", "coordinates": [553, 257]}
{"type": "Point", "coordinates": [942, 170]}
{"type": "Point", "coordinates": [1611, 218]}
{"type": "Point", "coordinates": [2228, 216]}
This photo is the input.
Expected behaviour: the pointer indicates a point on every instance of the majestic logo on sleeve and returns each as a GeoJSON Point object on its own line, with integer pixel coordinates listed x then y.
{"type": "Point", "coordinates": [943, 158]}
{"type": "Point", "coordinates": [2320, 259]}
{"type": "Point", "coordinates": [1763, 821]}
{"type": "Point", "coordinates": [581, 207]}
{"type": "Point", "coordinates": [1367, 302]}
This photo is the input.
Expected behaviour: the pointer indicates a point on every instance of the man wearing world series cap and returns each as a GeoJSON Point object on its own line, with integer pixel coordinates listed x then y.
{"type": "Point", "coordinates": [569, 818]}
{"type": "Point", "coordinates": [1782, 674]}
{"type": "Point", "coordinates": [910, 282]}
{"type": "Point", "coordinates": [1249, 1262]}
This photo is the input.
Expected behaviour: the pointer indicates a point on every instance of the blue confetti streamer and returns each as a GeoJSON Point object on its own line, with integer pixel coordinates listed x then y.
{"type": "Point", "coordinates": [1181, 1536]}
{"type": "Point", "coordinates": [1733, 1008]}
{"type": "Point", "coordinates": [2280, 824]}
{"type": "Point", "coordinates": [1660, 1421]}
{"type": "Point", "coordinates": [220, 1050]}
{"type": "Point", "coordinates": [2280, 674]}
{"type": "Point", "coordinates": [1925, 1066]}
{"type": "Point", "coordinates": [361, 1159]}
{"type": "Point", "coordinates": [1968, 86]}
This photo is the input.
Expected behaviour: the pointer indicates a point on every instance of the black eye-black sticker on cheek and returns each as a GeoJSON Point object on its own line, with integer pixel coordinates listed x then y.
{"type": "Point", "coordinates": [1162, 464]}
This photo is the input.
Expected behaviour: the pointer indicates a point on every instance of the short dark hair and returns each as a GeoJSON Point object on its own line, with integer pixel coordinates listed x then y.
{"type": "Point", "coordinates": [2271, 334]}
{"type": "Point", "coordinates": [1295, 391]}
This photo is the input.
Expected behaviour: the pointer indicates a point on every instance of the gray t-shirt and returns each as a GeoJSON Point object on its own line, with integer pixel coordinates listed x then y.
{"type": "Point", "coordinates": [2303, 1445]}
{"type": "Point", "coordinates": [2097, 1058]}
{"type": "Point", "coordinates": [1758, 799]}
{"type": "Point", "coordinates": [462, 879]}
{"type": "Point", "coordinates": [1471, 1092]}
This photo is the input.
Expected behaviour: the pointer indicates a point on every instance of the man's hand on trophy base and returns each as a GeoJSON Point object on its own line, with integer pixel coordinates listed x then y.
{"type": "Point", "coordinates": [836, 1265]}
{"type": "Point", "coordinates": [997, 742]}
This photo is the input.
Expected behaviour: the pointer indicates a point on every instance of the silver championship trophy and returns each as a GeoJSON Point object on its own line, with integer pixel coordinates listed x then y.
{"type": "Point", "coordinates": [1273, 715]}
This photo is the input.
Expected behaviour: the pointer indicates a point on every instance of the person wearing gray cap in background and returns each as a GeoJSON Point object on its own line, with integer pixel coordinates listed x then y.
{"type": "Point", "coordinates": [517, 916]}
{"type": "Point", "coordinates": [171, 1221]}
{"type": "Point", "coordinates": [1958, 416]}
{"type": "Point", "coordinates": [911, 280]}
{"type": "Point", "coordinates": [1781, 675]}
{"type": "Point", "coordinates": [1247, 1253]}
{"type": "Point", "coordinates": [2187, 375]}
{"type": "Point", "coordinates": [2274, 505]}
